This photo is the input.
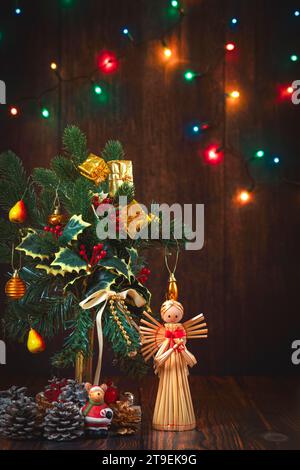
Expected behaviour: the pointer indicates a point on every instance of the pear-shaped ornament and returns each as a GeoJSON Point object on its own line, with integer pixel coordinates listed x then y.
{"type": "Point", "coordinates": [18, 213]}
{"type": "Point", "coordinates": [35, 342]}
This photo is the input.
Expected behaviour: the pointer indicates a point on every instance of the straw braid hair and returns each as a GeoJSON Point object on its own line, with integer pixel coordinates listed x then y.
{"type": "Point", "coordinates": [168, 304]}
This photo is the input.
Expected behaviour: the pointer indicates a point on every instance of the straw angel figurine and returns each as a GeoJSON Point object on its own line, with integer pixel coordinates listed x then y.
{"type": "Point", "coordinates": [167, 343]}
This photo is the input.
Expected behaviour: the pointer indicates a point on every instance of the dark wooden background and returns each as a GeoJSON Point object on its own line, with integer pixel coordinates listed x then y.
{"type": "Point", "coordinates": [246, 278]}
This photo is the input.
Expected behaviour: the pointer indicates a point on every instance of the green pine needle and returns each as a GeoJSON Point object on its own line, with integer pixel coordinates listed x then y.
{"type": "Point", "coordinates": [74, 142]}
{"type": "Point", "coordinates": [113, 150]}
{"type": "Point", "coordinates": [126, 189]}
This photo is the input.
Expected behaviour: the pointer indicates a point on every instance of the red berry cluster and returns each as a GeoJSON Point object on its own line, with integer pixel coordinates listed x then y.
{"type": "Point", "coordinates": [97, 255]}
{"type": "Point", "coordinates": [57, 230]}
{"type": "Point", "coordinates": [114, 216]}
{"type": "Point", "coordinates": [143, 275]}
{"type": "Point", "coordinates": [96, 202]}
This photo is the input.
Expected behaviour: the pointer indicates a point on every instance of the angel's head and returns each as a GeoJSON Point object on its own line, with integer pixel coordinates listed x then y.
{"type": "Point", "coordinates": [171, 311]}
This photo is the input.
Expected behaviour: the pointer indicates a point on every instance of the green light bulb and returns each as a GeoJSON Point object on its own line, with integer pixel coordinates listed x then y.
{"type": "Point", "coordinates": [189, 75]}
{"type": "Point", "coordinates": [294, 58]}
{"type": "Point", "coordinates": [97, 90]}
{"type": "Point", "coordinates": [174, 3]}
{"type": "Point", "coordinates": [45, 113]}
{"type": "Point", "coordinates": [259, 153]}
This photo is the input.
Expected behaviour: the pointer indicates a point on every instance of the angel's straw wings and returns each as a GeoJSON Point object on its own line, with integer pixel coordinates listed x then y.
{"type": "Point", "coordinates": [153, 333]}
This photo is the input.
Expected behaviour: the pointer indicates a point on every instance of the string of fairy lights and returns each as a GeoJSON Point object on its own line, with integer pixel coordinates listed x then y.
{"type": "Point", "coordinates": [108, 63]}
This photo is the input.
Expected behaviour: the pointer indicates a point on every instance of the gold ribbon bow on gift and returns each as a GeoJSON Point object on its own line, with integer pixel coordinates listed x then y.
{"type": "Point", "coordinates": [102, 297]}
{"type": "Point", "coordinates": [120, 172]}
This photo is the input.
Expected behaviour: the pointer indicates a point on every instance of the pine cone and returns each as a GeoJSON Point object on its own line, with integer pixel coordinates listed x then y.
{"type": "Point", "coordinates": [74, 392]}
{"type": "Point", "coordinates": [13, 393]}
{"type": "Point", "coordinates": [19, 420]}
{"type": "Point", "coordinates": [63, 422]}
{"type": "Point", "coordinates": [126, 418]}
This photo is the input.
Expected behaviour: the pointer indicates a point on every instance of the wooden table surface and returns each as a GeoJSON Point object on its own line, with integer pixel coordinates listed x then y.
{"type": "Point", "coordinates": [233, 413]}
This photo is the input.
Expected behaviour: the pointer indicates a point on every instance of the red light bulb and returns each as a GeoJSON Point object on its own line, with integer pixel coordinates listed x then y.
{"type": "Point", "coordinates": [213, 155]}
{"type": "Point", "coordinates": [107, 62]}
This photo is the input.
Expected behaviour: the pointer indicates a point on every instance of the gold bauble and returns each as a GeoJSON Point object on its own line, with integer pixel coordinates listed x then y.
{"type": "Point", "coordinates": [15, 288]}
{"type": "Point", "coordinates": [57, 218]}
{"type": "Point", "coordinates": [172, 292]}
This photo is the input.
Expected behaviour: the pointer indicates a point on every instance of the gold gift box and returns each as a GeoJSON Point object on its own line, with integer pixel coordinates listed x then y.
{"type": "Point", "coordinates": [134, 218]}
{"type": "Point", "coordinates": [120, 172]}
{"type": "Point", "coordinates": [94, 168]}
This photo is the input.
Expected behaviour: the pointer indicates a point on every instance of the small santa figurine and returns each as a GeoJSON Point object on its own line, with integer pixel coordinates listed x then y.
{"type": "Point", "coordinates": [97, 415]}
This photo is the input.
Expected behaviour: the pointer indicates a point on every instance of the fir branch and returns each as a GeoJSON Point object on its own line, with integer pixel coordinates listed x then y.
{"type": "Point", "coordinates": [5, 253]}
{"type": "Point", "coordinates": [45, 178]}
{"type": "Point", "coordinates": [134, 367]}
{"type": "Point", "coordinates": [113, 150]}
{"type": "Point", "coordinates": [13, 180]}
{"type": "Point", "coordinates": [8, 231]}
{"type": "Point", "coordinates": [77, 199]}
{"type": "Point", "coordinates": [64, 168]}
{"type": "Point", "coordinates": [75, 144]}
{"type": "Point", "coordinates": [113, 333]}
{"type": "Point", "coordinates": [77, 340]}
{"type": "Point", "coordinates": [126, 189]}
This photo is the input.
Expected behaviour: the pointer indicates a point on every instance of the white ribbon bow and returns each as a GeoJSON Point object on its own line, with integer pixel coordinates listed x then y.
{"type": "Point", "coordinates": [103, 296]}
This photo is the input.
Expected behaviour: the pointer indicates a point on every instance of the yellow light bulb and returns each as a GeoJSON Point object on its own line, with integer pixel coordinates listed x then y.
{"type": "Point", "coordinates": [53, 66]}
{"type": "Point", "coordinates": [235, 94]}
{"type": "Point", "coordinates": [244, 197]}
{"type": "Point", "coordinates": [167, 52]}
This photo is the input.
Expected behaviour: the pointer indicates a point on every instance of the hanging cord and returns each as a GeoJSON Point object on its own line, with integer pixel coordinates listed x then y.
{"type": "Point", "coordinates": [12, 259]}
{"type": "Point", "coordinates": [56, 202]}
{"type": "Point", "coordinates": [171, 272]}
{"type": "Point", "coordinates": [30, 182]}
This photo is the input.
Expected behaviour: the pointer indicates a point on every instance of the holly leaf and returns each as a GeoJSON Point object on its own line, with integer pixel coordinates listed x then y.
{"type": "Point", "coordinates": [53, 270]}
{"type": "Point", "coordinates": [68, 261]}
{"type": "Point", "coordinates": [74, 227]}
{"type": "Point", "coordinates": [37, 245]}
{"type": "Point", "coordinates": [142, 289]}
{"type": "Point", "coordinates": [102, 279]}
{"type": "Point", "coordinates": [134, 264]}
{"type": "Point", "coordinates": [118, 266]}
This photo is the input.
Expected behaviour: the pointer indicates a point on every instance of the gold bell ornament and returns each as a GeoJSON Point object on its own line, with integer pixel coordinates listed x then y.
{"type": "Point", "coordinates": [172, 289]}
{"type": "Point", "coordinates": [57, 217]}
{"type": "Point", "coordinates": [15, 287]}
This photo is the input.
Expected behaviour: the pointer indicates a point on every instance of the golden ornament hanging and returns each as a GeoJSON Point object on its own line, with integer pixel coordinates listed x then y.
{"type": "Point", "coordinates": [94, 168]}
{"type": "Point", "coordinates": [57, 218]}
{"type": "Point", "coordinates": [172, 291]}
{"type": "Point", "coordinates": [15, 288]}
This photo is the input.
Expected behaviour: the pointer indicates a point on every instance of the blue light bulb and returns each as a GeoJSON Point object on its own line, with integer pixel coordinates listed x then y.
{"type": "Point", "coordinates": [276, 160]}
{"type": "Point", "coordinates": [18, 11]}
{"type": "Point", "coordinates": [297, 13]}
{"type": "Point", "coordinates": [234, 21]}
{"type": "Point", "coordinates": [125, 31]}
{"type": "Point", "coordinates": [196, 129]}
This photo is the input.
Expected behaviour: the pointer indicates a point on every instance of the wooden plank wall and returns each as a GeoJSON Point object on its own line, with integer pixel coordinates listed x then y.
{"type": "Point", "coordinates": [245, 279]}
